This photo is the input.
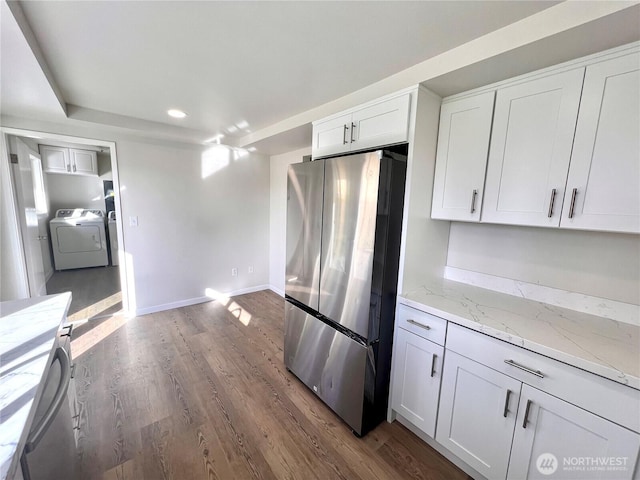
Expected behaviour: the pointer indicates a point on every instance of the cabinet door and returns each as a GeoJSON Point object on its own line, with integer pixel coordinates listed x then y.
{"type": "Point", "coordinates": [83, 162]}
{"type": "Point", "coordinates": [55, 159]}
{"type": "Point", "coordinates": [477, 414]}
{"type": "Point", "coordinates": [416, 380]}
{"type": "Point", "coordinates": [561, 439]}
{"type": "Point", "coordinates": [331, 136]}
{"type": "Point", "coordinates": [461, 161]}
{"type": "Point", "coordinates": [531, 141]}
{"type": "Point", "coordinates": [381, 124]}
{"type": "Point", "coordinates": [605, 165]}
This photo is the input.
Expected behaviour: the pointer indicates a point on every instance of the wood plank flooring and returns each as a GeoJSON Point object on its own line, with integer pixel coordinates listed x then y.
{"type": "Point", "coordinates": [95, 291]}
{"type": "Point", "coordinates": [201, 392]}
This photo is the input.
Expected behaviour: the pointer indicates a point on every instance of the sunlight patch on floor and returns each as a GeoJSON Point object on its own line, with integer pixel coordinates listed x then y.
{"type": "Point", "coordinates": [97, 334]}
{"type": "Point", "coordinates": [97, 308]}
{"type": "Point", "coordinates": [235, 309]}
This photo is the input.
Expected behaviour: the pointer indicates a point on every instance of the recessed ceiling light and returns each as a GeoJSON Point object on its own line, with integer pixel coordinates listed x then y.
{"type": "Point", "coordinates": [252, 149]}
{"type": "Point", "coordinates": [232, 129]}
{"type": "Point", "coordinates": [175, 113]}
{"type": "Point", "coordinates": [242, 125]}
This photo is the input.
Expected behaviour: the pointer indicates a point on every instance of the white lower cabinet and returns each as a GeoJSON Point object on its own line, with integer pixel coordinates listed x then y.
{"type": "Point", "coordinates": [553, 437]}
{"type": "Point", "coordinates": [477, 414]}
{"type": "Point", "coordinates": [417, 374]}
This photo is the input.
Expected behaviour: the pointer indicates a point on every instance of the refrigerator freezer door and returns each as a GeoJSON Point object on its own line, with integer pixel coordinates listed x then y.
{"type": "Point", "coordinates": [328, 362]}
{"type": "Point", "coordinates": [304, 226]}
{"type": "Point", "coordinates": [348, 238]}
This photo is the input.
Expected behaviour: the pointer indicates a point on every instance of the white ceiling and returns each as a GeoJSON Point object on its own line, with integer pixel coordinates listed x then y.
{"type": "Point", "coordinates": [126, 63]}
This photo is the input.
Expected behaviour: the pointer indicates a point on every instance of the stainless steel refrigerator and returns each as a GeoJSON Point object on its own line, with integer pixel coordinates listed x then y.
{"type": "Point", "coordinates": [344, 220]}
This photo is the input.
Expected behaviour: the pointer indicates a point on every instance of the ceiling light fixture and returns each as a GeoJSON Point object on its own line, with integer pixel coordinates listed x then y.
{"type": "Point", "coordinates": [232, 129]}
{"type": "Point", "coordinates": [242, 125]}
{"type": "Point", "coordinates": [175, 113]}
{"type": "Point", "coordinates": [252, 149]}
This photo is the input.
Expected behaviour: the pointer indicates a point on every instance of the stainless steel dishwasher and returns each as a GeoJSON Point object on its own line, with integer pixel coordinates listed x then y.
{"type": "Point", "coordinates": [50, 450]}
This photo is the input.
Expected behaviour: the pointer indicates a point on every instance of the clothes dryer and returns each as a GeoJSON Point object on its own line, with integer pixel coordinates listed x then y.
{"type": "Point", "coordinates": [78, 239]}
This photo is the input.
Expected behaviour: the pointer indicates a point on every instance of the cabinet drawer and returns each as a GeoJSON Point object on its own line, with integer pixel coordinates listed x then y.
{"type": "Point", "coordinates": [422, 324]}
{"type": "Point", "coordinates": [604, 397]}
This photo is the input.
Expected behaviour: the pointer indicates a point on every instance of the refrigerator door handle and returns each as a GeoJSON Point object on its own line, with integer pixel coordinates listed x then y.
{"type": "Point", "coordinates": [61, 395]}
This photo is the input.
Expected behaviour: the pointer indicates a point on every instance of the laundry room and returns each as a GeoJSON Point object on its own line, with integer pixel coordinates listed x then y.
{"type": "Point", "coordinates": [76, 246]}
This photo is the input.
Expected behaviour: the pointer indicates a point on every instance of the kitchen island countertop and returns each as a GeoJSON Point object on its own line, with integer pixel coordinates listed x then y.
{"type": "Point", "coordinates": [28, 339]}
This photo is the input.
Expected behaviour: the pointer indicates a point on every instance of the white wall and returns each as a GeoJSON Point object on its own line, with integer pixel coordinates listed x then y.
{"type": "Point", "coordinates": [192, 230]}
{"type": "Point", "coordinates": [278, 214]}
{"type": "Point", "coordinates": [594, 263]}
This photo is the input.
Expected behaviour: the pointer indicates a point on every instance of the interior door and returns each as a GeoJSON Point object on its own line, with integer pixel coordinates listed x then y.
{"type": "Point", "coordinates": [42, 211]}
{"type": "Point", "coordinates": [28, 217]}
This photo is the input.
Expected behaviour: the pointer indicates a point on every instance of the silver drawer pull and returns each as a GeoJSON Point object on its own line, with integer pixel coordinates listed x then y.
{"type": "Point", "coordinates": [418, 324]}
{"type": "Point", "coordinates": [537, 373]}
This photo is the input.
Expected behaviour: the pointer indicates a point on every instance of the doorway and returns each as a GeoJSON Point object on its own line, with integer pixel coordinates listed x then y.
{"type": "Point", "coordinates": [68, 205]}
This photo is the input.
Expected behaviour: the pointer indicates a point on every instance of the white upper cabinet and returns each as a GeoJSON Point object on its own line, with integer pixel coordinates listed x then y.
{"type": "Point", "coordinates": [461, 160]}
{"type": "Point", "coordinates": [55, 159]}
{"type": "Point", "coordinates": [382, 123]}
{"type": "Point", "coordinates": [551, 432]}
{"type": "Point", "coordinates": [83, 162]}
{"type": "Point", "coordinates": [603, 188]}
{"type": "Point", "coordinates": [331, 136]}
{"type": "Point", "coordinates": [533, 128]}
{"type": "Point", "coordinates": [70, 161]}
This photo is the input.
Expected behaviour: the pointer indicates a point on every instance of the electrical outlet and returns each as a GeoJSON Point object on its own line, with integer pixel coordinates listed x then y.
{"type": "Point", "coordinates": [234, 272]}
{"type": "Point", "coordinates": [250, 268]}
{"type": "Point", "coordinates": [133, 221]}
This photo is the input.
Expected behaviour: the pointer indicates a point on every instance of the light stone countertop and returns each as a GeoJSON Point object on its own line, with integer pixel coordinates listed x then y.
{"type": "Point", "coordinates": [599, 345]}
{"type": "Point", "coordinates": [28, 339]}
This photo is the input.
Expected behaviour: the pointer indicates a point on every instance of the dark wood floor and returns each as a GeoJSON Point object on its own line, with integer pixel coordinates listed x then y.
{"type": "Point", "coordinates": [95, 291]}
{"type": "Point", "coordinates": [201, 392]}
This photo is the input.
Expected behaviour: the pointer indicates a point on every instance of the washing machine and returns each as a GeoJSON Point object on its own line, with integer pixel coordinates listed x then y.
{"type": "Point", "coordinates": [113, 237]}
{"type": "Point", "coordinates": [78, 239]}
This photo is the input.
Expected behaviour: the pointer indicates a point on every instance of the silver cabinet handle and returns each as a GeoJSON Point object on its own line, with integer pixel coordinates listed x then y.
{"type": "Point", "coordinates": [526, 414]}
{"type": "Point", "coordinates": [418, 324]}
{"type": "Point", "coordinates": [537, 373]}
{"type": "Point", "coordinates": [60, 397]}
{"type": "Point", "coordinates": [506, 403]}
{"type": "Point", "coordinates": [344, 135]}
{"type": "Point", "coordinates": [433, 365]}
{"type": "Point", "coordinates": [68, 167]}
{"type": "Point", "coordinates": [69, 330]}
{"type": "Point", "coordinates": [74, 167]}
{"type": "Point", "coordinates": [573, 202]}
{"type": "Point", "coordinates": [73, 371]}
{"type": "Point", "coordinates": [473, 200]}
{"type": "Point", "coordinates": [353, 128]}
{"type": "Point", "coordinates": [551, 202]}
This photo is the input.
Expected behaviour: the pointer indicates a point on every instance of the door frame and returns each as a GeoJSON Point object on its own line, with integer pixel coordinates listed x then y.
{"type": "Point", "coordinates": [126, 286]}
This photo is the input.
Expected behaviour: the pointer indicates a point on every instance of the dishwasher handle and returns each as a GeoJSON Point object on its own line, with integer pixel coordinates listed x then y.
{"type": "Point", "coordinates": [37, 433]}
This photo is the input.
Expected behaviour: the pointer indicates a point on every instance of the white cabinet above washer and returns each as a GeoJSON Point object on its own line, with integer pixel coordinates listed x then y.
{"type": "Point", "coordinates": [69, 161]}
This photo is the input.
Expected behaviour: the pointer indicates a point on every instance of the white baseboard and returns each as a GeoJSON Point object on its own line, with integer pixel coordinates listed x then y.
{"type": "Point", "coordinates": [275, 289]}
{"type": "Point", "coordinates": [196, 300]}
